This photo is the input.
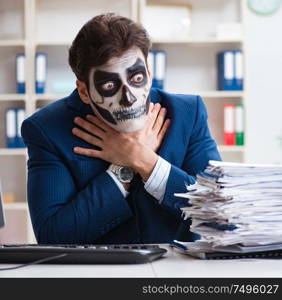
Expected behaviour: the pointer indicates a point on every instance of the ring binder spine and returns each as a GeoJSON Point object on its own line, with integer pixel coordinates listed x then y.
{"type": "Point", "coordinates": [266, 254]}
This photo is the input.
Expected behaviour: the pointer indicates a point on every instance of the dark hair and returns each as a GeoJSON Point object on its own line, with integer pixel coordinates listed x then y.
{"type": "Point", "coordinates": [103, 37]}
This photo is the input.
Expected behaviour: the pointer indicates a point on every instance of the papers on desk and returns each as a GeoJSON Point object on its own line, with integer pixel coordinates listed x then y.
{"type": "Point", "coordinates": [236, 204]}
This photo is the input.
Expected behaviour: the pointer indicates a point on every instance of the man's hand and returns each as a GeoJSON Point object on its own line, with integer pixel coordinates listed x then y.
{"type": "Point", "coordinates": [155, 129]}
{"type": "Point", "coordinates": [135, 150]}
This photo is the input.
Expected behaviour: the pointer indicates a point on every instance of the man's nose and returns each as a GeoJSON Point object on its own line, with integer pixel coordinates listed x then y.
{"type": "Point", "coordinates": [127, 98]}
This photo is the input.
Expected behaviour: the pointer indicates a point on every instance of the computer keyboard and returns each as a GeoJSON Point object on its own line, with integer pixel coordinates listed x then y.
{"type": "Point", "coordinates": [80, 254]}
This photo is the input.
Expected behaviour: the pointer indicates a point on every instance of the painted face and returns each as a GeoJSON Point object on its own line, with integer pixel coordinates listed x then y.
{"type": "Point", "coordinates": [119, 91]}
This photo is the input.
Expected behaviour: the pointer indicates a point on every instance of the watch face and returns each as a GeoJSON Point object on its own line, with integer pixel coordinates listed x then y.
{"type": "Point", "coordinates": [126, 174]}
{"type": "Point", "coordinates": [264, 7]}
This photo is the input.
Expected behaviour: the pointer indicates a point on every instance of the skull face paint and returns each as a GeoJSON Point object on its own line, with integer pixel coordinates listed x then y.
{"type": "Point", "coordinates": [119, 91]}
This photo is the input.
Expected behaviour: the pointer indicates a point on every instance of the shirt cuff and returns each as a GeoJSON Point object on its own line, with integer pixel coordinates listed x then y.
{"type": "Point", "coordinates": [119, 184]}
{"type": "Point", "coordinates": [156, 184]}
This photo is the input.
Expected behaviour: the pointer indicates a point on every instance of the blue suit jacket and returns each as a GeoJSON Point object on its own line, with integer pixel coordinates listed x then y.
{"type": "Point", "coordinates": [71, 197]}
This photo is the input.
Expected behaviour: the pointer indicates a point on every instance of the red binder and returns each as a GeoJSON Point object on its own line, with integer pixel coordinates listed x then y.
{"type": "Point", "coordinates": [229, 124]}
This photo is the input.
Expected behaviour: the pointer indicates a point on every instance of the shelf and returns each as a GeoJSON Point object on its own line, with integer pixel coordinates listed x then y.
{"type": "Point", "coordinates": [182, 41]}
{"type": "Point", "coordinates": [13, 151]}
{"type": "Point", "coordinates": [50, 97]}
{"type": "Point", "coordinates": [222, 94]}
{"type": "Point", "coordinates": [12, 43]}
{"type": "Point", "coordinates": [204, 94]}
{"type": "Point", "coordinates": [223, 148]}
{"type": "Point", "coordinates": [52, 43]}
{"type": "Point", "coordinates": [16, 206]}
{"type": "Point", "coordinates": [12, 97]}
{"type": "Point", "coordinates": [213, 94]}
{"type": "Point", "coordinates": [199, 41]}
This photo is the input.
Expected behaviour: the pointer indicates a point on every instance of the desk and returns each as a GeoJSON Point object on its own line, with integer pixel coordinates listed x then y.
{"type": "Point", "coordinates": [173, 264]}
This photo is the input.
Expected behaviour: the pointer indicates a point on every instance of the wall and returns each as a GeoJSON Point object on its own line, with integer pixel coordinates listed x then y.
{"type": "Point", "coordinates": [264, 69]}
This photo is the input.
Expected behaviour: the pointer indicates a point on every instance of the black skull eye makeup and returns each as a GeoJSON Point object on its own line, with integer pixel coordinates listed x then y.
{"type": "Point", "coordinates": [137, 78]}
{"type": "Point", "coordinates": [106, 83]}
{"type": "Point", "coordinates": [108, 86]}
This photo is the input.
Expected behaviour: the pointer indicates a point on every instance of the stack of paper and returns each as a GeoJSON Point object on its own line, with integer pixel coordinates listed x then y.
{"type": "Point", "coordinates": [235, 204]}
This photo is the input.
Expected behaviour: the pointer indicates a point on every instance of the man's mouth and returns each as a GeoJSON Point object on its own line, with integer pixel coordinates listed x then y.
{"type": "Point", "coordinates": [131, 113]}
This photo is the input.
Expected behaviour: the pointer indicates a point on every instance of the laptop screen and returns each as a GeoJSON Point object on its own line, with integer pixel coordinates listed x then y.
{"type": "Point", "coordinates": [2, 222]}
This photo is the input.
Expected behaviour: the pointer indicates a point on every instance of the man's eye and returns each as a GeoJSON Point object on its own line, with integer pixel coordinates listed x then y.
{"type": "Point", "coordinates": [108, 86]}
{"type": "Point", "coordinates": [137, 78]}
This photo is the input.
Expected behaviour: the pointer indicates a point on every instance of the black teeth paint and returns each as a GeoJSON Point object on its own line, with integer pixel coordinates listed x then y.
{"type": "Point", "coordinates": [127, 114]}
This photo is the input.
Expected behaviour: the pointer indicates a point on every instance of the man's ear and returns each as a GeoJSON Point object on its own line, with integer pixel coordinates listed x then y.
{"type": "Point", "coordinates": [83, 92]}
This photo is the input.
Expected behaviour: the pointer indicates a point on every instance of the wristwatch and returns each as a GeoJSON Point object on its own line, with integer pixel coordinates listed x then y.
{"type": "Point", "coordinates": [123, 174]}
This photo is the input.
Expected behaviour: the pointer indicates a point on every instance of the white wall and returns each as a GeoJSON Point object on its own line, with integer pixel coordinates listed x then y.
{"type": "Point", "coordinates": [264, 73]}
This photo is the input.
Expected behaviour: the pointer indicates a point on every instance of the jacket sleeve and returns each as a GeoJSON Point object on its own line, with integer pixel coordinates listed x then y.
{"type": "Point", "coordinates": [201, 149]}
{"type": "Point", "coordinates": [61, 213]}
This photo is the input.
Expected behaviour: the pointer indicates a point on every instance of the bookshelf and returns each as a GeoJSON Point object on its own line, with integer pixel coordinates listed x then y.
{"type": "Point", "coordinates": [37, 27]}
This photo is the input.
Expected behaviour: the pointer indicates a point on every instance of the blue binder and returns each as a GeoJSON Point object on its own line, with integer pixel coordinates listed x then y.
{"type": "Point", "coordinates": [238, 61]}
{"type": "Point", "coordinates": [225, 71]}
{"type": "Point", "coordinates": [14, 119]}
{"type": "Point", "coordinates": [40, 72]}
{"type": "Point", "coordinates": [20, 73]}
{"type": "Point", "coordinates": [230, 70]}
{"type": "Point", "coordinates": [159, 68]}
{"type": "Point", "coordinates": [11, 128]}
{"type": "Point", "coordinates": [20, 118]}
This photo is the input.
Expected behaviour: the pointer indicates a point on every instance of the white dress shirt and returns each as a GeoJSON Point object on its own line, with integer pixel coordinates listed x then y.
{"type": "Point", "coordinates": [156, 183]}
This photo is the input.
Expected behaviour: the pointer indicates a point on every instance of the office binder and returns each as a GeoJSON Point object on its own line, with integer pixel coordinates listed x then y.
{"type": "Point", "coordinates": [239, 125]}
{"type": "Point", "coordinates": [20, 73]}
{"type": "Point", "coordinates": [235, 255]}
{"type": "Point", "coordinates": [20, 118]}
{"type": "Point", "coordinates": [204, 250]}
{"type": "Point", "coordinates": [159, 69]}
{"type": "Point", "coordinates": [40, 72]}
{"type": "Point", "coordinates": [225, 70]}
{"type": "Point", "coordinates": [228, 255]}
{"type": "Point", "coordinates": [238, 60]}
{"type": "Point", "coordinates": [11, 128]}
{"type": "Point", "coordinates": [229, 125]}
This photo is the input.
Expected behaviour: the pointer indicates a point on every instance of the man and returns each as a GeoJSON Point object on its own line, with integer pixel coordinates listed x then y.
{"type": "Point", "coordinates": [105, 162]}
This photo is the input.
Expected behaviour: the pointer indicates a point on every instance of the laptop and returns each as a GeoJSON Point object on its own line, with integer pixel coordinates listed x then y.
{"type": "Point", "coordinates": [2, 220]}
{"type": "Point", "coordinates": [27, 254]}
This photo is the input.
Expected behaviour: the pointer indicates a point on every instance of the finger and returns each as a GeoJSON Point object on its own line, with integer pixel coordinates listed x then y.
{"type": "Point", "coordinates": [96, 121]}
{"type": "Point", "coordinates": [159, 120]}
{"type": "Point", "coordinates": [164, 130]}
{"type": "Point", "coordinates": [90, 127]}
{"type": "Point", "coordinates": [153, 115]}
{"type": "Point", "coordinates": [87, 137]}
{"type": "Point", "coordinates": [88, 152]}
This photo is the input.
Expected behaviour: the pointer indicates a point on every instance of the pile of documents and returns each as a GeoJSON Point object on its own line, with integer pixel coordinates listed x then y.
{"type": "Point", "coordinates": [236, 204]}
